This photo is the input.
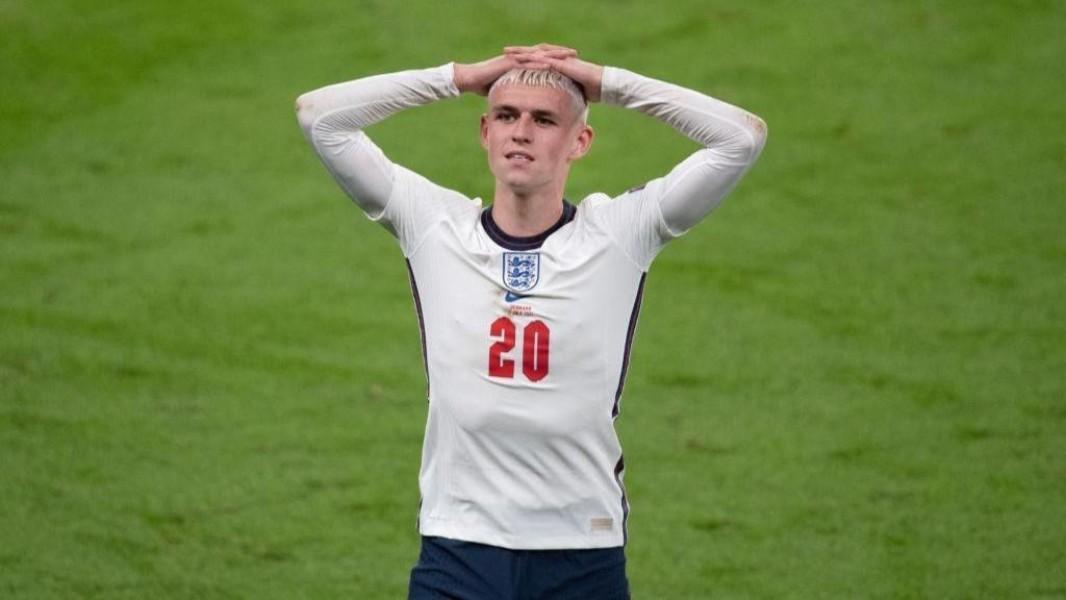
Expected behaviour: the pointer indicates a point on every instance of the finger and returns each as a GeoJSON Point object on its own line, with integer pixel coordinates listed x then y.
{"type": "Point", "coordinates": [564, 67]}
{"type": "Point", "coordinates": [559, 64]}
{"type": "Point", "coordinates": [533, 63]}
{"type": "Point", "coordinates": [540, 48]}
{"type": "Point", "coordinates": [540, 56]}
{"type": "Point", "coordinates": [544, 46]}
{"type": "Point", "coordinates": [562, 53]}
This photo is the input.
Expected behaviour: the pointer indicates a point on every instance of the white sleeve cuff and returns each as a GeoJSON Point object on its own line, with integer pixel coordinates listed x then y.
{"type": "Point", "coordinates": [446, 85]}
{"type": "Point", "coordinates": [612, 86]}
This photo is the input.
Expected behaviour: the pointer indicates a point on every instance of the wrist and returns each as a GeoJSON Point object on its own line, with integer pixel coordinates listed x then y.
{"type": "Point", "coordinates": [613, 85]}
{"type": "Point", "coordinates": [595, 85]}
{"type": "Point", "coordinates": [459, 77]}
{"type": "Point", "coordinates": [447, 74]}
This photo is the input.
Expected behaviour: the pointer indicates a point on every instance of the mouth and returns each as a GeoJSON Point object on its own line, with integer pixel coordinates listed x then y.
{"type": "Point", "coordinates": [518, 156]}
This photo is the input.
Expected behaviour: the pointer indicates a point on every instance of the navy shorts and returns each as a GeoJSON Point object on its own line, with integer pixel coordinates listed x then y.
{"type": "Point", "coordinates": [468, 571]}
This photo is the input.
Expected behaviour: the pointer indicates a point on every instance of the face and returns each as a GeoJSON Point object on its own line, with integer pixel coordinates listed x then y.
{"type": "Point", "coordinates": [532, 134]}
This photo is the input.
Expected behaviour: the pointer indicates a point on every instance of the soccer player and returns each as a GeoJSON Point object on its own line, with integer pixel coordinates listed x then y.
{"type": "Point", "coordinates": [527, 307]}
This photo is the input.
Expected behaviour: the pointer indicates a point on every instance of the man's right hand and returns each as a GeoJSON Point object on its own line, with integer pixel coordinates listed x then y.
{"type": "Point", "coordinates": [479, 77]}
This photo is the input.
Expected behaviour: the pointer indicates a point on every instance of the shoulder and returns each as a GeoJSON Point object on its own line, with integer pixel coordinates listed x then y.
{"type": "Point", "coordinates": [632, 220]}
{"type": "Point", "coordinates": [417, 206]}
{"type": "Point", "coordinates": [599, 205]}
{"type": "Point", "coordinates": [420, 188]}
{"type": "Point", "coordinates": [593, 202]}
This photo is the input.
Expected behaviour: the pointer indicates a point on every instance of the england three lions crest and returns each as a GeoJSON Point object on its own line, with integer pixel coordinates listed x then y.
{"type": "Point", "coordinates": [521, 270]}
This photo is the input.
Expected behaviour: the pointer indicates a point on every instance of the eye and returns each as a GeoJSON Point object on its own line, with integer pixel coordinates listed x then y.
{"type": "Point", "coordinates": [505, 117]}
{"type": "Point", "coordinates": [544, 121]}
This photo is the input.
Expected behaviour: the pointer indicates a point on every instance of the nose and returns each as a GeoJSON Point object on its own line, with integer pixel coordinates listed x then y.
{"type": "Point", "coordinates": [523, 129]}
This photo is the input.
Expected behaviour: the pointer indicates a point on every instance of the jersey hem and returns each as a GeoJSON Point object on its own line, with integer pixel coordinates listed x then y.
{"type": "Point", "coordinates": [437, 528]}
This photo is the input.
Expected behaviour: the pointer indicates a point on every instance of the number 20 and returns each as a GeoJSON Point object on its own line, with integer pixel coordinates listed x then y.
{"type": "Point", "coordinates": [535, 339]}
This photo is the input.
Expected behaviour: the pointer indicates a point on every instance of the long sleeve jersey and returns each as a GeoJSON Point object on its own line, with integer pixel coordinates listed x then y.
{"type": "Point", "coordinates": [526, 340]}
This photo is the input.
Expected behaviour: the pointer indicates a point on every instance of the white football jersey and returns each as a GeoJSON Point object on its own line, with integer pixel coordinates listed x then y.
{"type": "Point", "coordinates": [526, 340]}
{"type": "Point", "coordinates": [526, 343]}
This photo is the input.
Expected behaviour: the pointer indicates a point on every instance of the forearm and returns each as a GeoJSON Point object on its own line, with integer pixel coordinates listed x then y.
{"type": "Point", "coordinates": [707, 121]}
{"type": "Point", "coordinates": [333, 119]}
{"type": "Point", "coordinates": [732, 139]}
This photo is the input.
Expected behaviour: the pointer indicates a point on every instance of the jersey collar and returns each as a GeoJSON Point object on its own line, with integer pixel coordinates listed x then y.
{"type": "Point", "coordinates": [513, 242]}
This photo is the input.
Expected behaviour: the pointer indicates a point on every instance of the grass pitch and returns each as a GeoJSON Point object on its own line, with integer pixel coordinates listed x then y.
{"type": "Point", "coordinates": [847, 383]}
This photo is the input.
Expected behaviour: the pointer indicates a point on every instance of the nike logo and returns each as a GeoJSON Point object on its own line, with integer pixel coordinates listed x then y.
{"type": "Point", "coordinates": [511, 296]}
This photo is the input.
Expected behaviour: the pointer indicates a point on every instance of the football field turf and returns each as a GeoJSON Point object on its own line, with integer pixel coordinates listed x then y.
{"type": "Point", "coordinates": [849, 382]}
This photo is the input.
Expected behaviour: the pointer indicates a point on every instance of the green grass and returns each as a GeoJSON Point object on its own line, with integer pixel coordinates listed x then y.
{"type": "Point", "coordinates": [849, 382]}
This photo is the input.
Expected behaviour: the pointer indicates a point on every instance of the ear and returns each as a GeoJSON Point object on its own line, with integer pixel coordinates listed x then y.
{"type": "Point", "coordinates": [485, 131]}
{"type": "Point", "coordinates": [582, 143]}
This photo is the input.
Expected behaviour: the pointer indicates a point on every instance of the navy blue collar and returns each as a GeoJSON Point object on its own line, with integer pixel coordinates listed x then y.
{"type": "Point", "coordinates": [513, 242]}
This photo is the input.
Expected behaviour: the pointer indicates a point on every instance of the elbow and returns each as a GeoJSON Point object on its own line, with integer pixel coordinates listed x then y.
{"type": "Point", "coordinates": [757, 128]}
{"type": "Point", "coordinates": [305, 113]}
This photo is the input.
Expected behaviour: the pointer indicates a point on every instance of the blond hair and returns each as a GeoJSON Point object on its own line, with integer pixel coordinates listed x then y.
{"type": "Point", "coordinates": [549, 79]}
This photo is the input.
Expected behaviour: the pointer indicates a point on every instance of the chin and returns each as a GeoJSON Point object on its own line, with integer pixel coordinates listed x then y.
{"type": "Point", "coordinates": [520, 188]}
{"type": "Point", "coordinates": [516, 182]}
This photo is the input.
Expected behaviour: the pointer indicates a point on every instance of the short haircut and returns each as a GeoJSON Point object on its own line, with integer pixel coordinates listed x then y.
{"type": "Point", "coordinates": [550, 79]}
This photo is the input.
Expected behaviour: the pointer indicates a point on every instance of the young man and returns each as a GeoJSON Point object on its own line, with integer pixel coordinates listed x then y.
{"type": "Point", "coordinates": [527, 308]}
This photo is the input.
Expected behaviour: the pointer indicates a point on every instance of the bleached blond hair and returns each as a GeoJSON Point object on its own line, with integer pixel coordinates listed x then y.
{"type": "Point", "coordinates": [549, 79]}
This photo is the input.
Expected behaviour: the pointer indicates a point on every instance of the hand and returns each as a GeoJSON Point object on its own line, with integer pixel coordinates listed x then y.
{"type": "Point", "coordinates": [550, 50]}
{"type": "Point", "coordinates": [565, 61]}
{"type": "Point", "coordinates": [479, 77]}
{"type": "Point", "coordinates": [588, 75]}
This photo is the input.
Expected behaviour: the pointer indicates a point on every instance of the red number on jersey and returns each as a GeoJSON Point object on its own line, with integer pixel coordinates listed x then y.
{"type": "Point", "coordinates": [535, 350]}
{"type": "Point", "coordinates": [498, 365]}
{"type": "Point", "coordinates": [535, 340]}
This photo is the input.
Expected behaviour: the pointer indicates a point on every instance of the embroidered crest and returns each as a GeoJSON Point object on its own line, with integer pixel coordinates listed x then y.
{"type": "Point", "coordinates": [521, 270]}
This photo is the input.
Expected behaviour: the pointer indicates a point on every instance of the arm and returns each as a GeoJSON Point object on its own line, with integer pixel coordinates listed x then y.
{"type": "Point", "coordinates": [333, 117]}
{"type": "Point", "coordinates": [732, 138]}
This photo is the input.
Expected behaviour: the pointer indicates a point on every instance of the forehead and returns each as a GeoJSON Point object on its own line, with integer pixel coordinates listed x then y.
{"type": "Point", "coordinates": [528, 99]}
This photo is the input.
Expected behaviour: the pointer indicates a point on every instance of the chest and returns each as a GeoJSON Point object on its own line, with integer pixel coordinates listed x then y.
{"type": "Point", "coordinates": [565, 304]}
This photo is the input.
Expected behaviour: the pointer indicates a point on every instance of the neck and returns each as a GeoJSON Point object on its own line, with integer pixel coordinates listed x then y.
{"type": "Point", "coordinates": [524, 214]}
